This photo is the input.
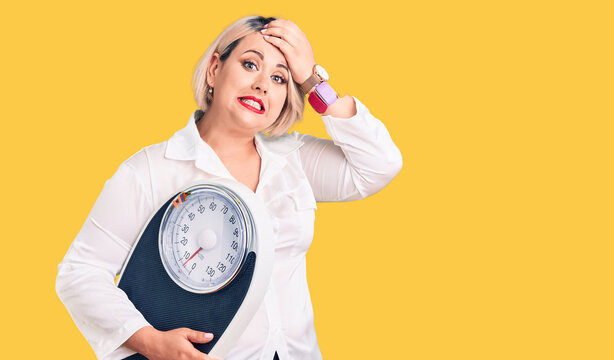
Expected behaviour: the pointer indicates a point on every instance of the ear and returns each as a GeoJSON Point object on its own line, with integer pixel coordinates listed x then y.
{"type": "Point", "coordinates": [212, 70]}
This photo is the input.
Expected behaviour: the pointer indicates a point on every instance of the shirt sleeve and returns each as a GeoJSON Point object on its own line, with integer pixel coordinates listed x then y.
{"type": "Point", "coordinates": [85, 280]}
{"type": "Point", "coordinates": [359, 161]}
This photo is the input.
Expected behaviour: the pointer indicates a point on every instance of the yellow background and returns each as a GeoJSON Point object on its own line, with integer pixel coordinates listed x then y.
{"type": "Point", "coordinates": [494, 241]}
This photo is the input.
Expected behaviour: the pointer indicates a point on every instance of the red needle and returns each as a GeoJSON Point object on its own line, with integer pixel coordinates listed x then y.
{"type": "Point", "coordinates": [199, 249]}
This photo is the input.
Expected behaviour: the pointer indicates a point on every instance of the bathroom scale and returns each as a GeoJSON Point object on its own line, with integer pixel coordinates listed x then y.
{"type": "Point", "coordinates": [202, 261]}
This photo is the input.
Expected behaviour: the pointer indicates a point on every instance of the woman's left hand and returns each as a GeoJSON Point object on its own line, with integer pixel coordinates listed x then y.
{"type": "Point", "coordinates": [293, 43]}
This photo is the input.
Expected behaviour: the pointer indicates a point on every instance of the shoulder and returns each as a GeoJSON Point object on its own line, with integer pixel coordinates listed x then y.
{"type": "Point", "coordinates": [140, 162]}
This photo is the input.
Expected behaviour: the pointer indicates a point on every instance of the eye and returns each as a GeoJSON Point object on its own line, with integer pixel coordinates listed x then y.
{"type": "Point", "coordinates": [247, 64]}
{"type": "Point", "coordinates": [279, 79]}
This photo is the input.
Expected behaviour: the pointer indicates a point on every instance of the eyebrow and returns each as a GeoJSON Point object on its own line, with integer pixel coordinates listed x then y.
{"type": "Point", "coordinates": [262, 58]}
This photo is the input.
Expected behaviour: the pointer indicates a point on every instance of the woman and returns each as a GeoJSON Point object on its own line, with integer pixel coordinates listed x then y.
{"type": "Point", "coordinates": [251, 80]}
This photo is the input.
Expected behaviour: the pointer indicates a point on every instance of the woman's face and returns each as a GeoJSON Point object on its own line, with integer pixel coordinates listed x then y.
{"type": "Point", "coordinates": [251, 86]}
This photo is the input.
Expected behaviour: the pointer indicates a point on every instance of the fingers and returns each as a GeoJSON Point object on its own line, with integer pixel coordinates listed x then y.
{"type": "Point", "coordinates": [283, 23]}
{"type": "Point", "coordinates": [293, 43]}
{"type": "Point", "coordinates": [199, 355]}
{"type": "Point", "coordinates": [201, 338]}
{"type": "Point", "coordinates": [198, 336]}
{"type": "Point", "coordinates": [278, 32]}
{"type": "Point", "coordinates": [283, 45]}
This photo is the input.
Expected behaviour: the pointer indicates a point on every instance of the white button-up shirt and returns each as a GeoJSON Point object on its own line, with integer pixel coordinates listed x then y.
{"type": "Point", "coordinates": [296, 171]}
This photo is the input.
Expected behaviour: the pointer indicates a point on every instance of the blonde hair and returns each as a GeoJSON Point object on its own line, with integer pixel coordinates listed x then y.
{"type": "Point", "coordinates": [294, 105]}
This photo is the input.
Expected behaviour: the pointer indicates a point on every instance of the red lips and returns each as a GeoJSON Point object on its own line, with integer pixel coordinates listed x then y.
{"type": "Point", "coordinates": [251, 107]}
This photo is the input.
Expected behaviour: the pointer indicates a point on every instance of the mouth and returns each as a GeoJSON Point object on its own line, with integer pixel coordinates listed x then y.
{"type": "Point", "coordinates": [252, 103]}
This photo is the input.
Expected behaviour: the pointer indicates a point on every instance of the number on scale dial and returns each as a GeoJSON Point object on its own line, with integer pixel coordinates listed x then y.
{"type": "Point", "coordinates": [204, 238]}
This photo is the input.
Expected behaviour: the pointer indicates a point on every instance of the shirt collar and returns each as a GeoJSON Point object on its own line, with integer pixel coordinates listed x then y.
{"type": "Point", "coordinates": [186, 144]}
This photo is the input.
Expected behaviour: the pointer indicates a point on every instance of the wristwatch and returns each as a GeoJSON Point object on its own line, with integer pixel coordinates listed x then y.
{"type": "Point", "coordinates": [322, 96]}
{"type": "Point", "coordinates": [318, 75]}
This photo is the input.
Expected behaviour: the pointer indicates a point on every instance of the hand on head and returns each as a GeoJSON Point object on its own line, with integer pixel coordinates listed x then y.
{"type": "Point", "coordinates": [293, 43]}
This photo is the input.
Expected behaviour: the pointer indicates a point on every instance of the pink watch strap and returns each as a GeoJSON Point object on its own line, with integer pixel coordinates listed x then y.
{"type": "Point", "coordinates": [317, 103]}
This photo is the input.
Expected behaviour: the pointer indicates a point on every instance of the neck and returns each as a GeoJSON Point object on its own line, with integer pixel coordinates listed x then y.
{"type": "Point", "coordinates": [224, 140]}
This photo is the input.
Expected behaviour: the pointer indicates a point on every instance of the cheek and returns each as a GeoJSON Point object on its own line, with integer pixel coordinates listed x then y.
{"type": "Point", "coordinates": [280, 99]}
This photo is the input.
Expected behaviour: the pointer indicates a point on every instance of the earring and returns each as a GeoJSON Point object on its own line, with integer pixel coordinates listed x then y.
{"type": "Point", "coordinates": [209, 97]}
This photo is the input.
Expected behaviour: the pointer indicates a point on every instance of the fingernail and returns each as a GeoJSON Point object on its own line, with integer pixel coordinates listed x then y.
{"type": "Point", "coordinates": [208, 335]}
{"type": "Point", "coordinates": [263, 30]}
{"type": "Point", "coordinates": [265, 25]}
{"type": "Point", "coordinates": [266, 36]}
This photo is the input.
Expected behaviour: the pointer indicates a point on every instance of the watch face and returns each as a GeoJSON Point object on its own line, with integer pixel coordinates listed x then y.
{"type": "Point", "coordinates": [323, 74]}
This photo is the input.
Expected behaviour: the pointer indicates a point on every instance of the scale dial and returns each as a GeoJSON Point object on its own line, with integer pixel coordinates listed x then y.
{"type": "Point", "coordinates": [205, 235]}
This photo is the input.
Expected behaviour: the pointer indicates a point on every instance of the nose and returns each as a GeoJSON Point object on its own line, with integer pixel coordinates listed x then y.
{"type": "Point", "coordinates": [260, 83]}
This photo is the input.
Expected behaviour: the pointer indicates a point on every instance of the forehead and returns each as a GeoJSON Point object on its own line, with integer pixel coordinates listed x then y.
{"type": "Point", "coordinates": [256, 42]}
